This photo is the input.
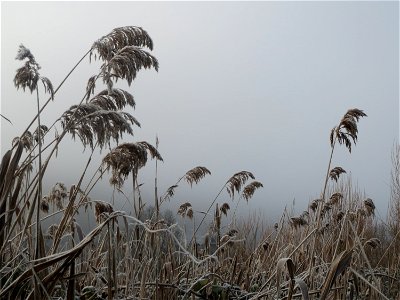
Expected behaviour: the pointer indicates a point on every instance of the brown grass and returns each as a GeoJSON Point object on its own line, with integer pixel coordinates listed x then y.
{"type": "Point", "coordinates": [335, 249]}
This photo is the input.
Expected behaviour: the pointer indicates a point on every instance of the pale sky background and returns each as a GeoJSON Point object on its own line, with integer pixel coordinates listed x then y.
{"type": "Point", "coordinates": [251, 86]}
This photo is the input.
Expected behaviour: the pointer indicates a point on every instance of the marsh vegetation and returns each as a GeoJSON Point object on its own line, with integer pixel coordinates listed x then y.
{"type": "Point", "coordinates": [335, 249]}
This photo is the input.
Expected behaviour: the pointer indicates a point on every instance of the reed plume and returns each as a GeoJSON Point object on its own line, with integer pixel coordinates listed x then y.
{"type": "Point", "coordinates": [40, 131]}
{"type": "Point", "coordinates": [90, 122]}
{"type": "Point", "coordinates": [119, 38]}
{"type": "Point", "coordinates": [101, 210]}
{"type": "Point", "coordinates": [236, 182]}
{"type": "Point", "coordinates": [335, 173]}
{"type": "Point", "coordinates": [26, 140]}
{"type": "Point", "coordinates": [44, 204]}
{"type": "Point", "coordinates": [369, 206]}
{"type": "Point", "coordinates": [127, 62]}
{"type": "Point", "coordinates": [347, 128]}
{"type": "Point", "coordinates": [27, 76]}
{"type": "Point", "coordinates": [249, 189]}
{"type": "Point", "coordinates": [128, 157]}
{"type": "Point", "coordinates": [170, 192]}
{"type": "Point", "coordinates": [224, 208]}
{"type": "Point", "coordinates": [335, 198]}
{"type": "Point", "coordinates": [196, 174]}
{"type": "Point", "coordinates": [185, 209]}
{"type": "Point", "coordinates": [114, 100]}
{"type": "Point", "coordinates": [58, 195]}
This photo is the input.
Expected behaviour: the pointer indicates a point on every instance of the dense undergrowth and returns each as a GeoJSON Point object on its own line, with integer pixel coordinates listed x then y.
{"type": "Point", "coordinates": [336, 249]}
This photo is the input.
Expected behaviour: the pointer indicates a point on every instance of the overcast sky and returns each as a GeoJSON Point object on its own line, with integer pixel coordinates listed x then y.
{"type": "Point", "coordinates": [251, 86]}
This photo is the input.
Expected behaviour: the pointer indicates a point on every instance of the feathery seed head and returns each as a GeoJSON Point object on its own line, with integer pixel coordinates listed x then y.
{"type": "Point", "coordinates": [224, 208]}
{"type": "Point", "coordinates": [236, 182]}
{"type": "Point", "coordinates": [128, 157]}
{"type": "Point", "coordinates": [101, 210]}
{"type": "Point", "coordinates": [119, 38]}
{"type": "Point", "coordinates": [335, 198]}
{"type": "Point", "coordinates": [335, 173]}
{"type": "Point", "coordinates": [196, 174]}
{"type": "Point", "coordinates": [369, 206]}
{"type": "Point", "coordinates": [44, 204]}
{"type": "Point", "coordinates": [347, 128]}
{"type": "Point", "coordinates": [249, 189]}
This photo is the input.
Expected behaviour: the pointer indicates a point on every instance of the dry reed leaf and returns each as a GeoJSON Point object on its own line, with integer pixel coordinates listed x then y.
{"type": "Point", "coordinates": [13, 200]}
{"type": "Point", "coordinates": [279, 270]}
{"type": "Point", "coordinates": [51, 260]}
{"type": "Point", "coordinates": [338, 266]}
{"type": "Point", "coordinates": [4, 166]}
{"type": "Point", "coordinates": [303, 288]}
{"type": "Point", "coordinates": [196, 174]}
{"type": "Point", "coordinates": [10, 168]}
{"type": "Point", "coordinates": [79, 231]}
{"type": "Point", "coordinates": [143, 293]}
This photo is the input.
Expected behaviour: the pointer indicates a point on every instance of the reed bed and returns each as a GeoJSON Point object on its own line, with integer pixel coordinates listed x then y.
{"type": "Point", "coordinates": [335, 249]}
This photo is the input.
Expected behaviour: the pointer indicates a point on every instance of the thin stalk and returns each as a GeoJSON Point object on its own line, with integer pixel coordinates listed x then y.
{"type": "Point", "coordinates": [70, 211]}
{"type": "Point", "coordinates": [155, 186]}
{"type": "Point", "coordinates": [39, 194]}
{"type": "Point", "coordinates": [109, 262]}
{"type": "Point", "coordinates": [329, 168]}
{"type": "Point", "coordinates": [319, 209]}
{"type": "Point", "coordinates": [134, 194]}
{"type": "Point", "coordinates": [208, 210]}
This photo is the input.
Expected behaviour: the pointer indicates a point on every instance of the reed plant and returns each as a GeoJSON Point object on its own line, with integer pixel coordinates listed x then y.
{"type": "Point", "coordinates": [335, 249]}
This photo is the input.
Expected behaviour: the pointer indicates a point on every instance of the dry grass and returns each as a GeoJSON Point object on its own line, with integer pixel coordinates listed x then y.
{"type": "Point", "coordinates": [335, 249]}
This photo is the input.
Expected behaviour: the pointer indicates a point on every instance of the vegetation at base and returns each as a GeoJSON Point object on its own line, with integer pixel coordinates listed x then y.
{"type": "Point", "coordinates": [335, 249]}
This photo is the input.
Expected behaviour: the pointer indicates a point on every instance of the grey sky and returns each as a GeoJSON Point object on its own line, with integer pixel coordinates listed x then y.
{"type": "Point", "coordinates": [251, 86]}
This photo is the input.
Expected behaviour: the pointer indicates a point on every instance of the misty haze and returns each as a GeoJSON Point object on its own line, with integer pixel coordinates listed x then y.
{"type": "Point", "coordinates": [205, 150]}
